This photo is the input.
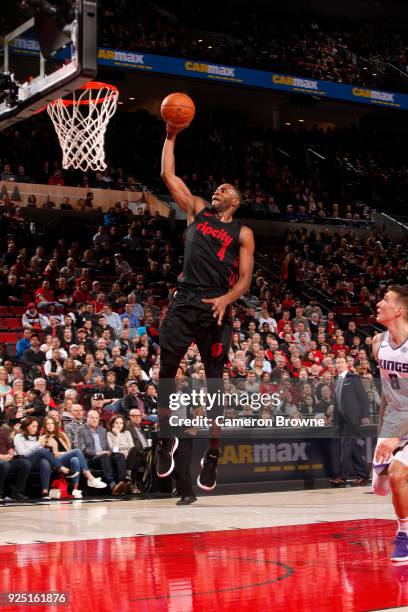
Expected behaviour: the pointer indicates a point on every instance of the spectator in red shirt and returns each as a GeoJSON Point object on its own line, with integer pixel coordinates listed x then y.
{"type": "Point", "coordinates": [82, 295]}
{"type": "Point", "coordinates": [56, 178]}
{"type": "Point", "coordinates": [287, 329]}
{"type": "Point", "coordinates": [99, 303]}
{"type": "Point", "coordinates": [44, 295]}
{"type": "Point", "coordinates": [340, 345]}
{"type": "Point", "coordinates": [332, 324]}
{"type": "Point", "coordinates": [284, 320]}
{"type": "Point", "coordinates": [317, 351]}
{"type": "Point", "coordinates": [288, 302]}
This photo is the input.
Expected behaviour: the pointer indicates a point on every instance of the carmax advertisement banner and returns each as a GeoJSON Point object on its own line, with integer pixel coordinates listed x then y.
{"type": "Point", "coordinates": [186, 67]}
{"type": "Point", "coordinates": [247, 460]}
{"type": "Point", "coordinates": [252, 78]}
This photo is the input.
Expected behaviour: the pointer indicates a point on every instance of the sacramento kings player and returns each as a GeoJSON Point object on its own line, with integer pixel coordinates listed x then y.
{"type": "Point", "coordinates": [390, 466]}
{"type": "Point", "coordinates": [218, 266]}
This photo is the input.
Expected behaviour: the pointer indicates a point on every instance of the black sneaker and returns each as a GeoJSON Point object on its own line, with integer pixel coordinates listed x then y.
{"type": "Point", "coordinates": [186, 501]}
{"type": "Point", "coordinates": [165, 461]}
{"type": "Point", "coordinates": [207, 480]}
{"type": "Point", "coordinates": [19, 496]}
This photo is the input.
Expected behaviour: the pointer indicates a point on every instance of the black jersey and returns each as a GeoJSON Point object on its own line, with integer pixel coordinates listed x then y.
{"type": "Point", "coordinates": [211, 252]}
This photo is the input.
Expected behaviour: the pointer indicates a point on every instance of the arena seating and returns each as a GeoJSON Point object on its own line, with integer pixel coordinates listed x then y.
{"type": "Point", "coordinates": [360, 51]}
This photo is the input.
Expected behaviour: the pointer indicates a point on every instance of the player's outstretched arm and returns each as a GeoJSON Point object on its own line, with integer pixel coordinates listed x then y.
{"type": "Point", "coordinates": [181, 194]}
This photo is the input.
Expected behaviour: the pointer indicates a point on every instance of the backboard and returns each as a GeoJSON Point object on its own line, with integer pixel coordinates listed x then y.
{"type": "Point", "coordinates": [50, 50]}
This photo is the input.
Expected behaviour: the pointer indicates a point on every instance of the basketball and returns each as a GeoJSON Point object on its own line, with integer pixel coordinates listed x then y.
{"type": "Point", "coordinates": [178, 110]}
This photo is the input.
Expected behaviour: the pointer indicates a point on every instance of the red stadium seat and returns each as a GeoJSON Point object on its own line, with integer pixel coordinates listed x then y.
{"type": "Point", "coordinates": [15, 310]}
{"type": "Point", "coordinates": [11, 337]}
{"type": "Point", "coordinates": [10, 323]}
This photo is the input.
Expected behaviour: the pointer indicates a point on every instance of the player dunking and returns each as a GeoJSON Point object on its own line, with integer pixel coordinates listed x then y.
{"type": "Point", "coordinates": [218, 265]}
{"type": "Point", "coordinates": [390, 466]}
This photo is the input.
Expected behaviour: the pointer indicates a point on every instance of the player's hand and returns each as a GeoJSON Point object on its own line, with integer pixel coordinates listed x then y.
{"type": "Point", "coordinates": [173, 131]}
{"type": "Point", "coordinates": [219, 306]}
{"type": "Point", "coordinates": [385, 449]}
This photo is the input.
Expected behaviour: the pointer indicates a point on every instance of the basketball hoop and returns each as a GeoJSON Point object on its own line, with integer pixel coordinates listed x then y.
{"type": "Point", "coordinates": [80, 123]}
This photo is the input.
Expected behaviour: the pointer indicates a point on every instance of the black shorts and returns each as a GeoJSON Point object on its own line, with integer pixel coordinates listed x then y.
{"type": "Point", "coordinates": [189, 320]}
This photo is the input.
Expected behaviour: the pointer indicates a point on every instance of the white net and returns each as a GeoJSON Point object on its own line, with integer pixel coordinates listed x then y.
{"type": "Point", "coordinates": [81, 122]}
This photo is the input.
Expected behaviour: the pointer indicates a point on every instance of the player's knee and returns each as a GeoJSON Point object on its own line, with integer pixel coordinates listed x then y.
{"type": "Point", "coordinates": [397, 474]}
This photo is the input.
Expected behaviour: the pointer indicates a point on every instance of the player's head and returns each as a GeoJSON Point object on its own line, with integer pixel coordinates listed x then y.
{"type": "Point", "coordinates": [226, 198]}
{"type": "Point", "coordinates": [394, 305]}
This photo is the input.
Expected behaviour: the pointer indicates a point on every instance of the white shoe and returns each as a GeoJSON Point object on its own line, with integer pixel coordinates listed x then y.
{"type": "Point", "coordinates": [97, 483]}
{"type": "Point", "coordinates": [77, 494]}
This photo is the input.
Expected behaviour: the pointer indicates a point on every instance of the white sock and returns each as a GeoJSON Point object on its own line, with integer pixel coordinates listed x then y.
{"type": "Point", "coordinates": [403, 525]}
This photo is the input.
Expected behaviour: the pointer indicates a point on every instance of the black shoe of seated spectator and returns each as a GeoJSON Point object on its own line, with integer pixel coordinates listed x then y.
{"type": "Point", "coordinates": [119, 488]}
{"type": "Point", "coordinates": [360, 482]}
{"type": "Point", "coordinates": [19, 496]}
{"type": "Point", "coordinates": [338, 482]}
{"type": "Point", "coordinates": [186, 501]}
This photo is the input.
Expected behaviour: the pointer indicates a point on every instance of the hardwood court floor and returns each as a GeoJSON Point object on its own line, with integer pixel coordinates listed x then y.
{"type": "Point", "coordinates": [323, 550]}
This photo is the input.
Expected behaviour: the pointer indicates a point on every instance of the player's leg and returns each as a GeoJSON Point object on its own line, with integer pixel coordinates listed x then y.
{"type": "Point", "coordinates": [398, 477]}
{"type": "Point", "coordinates": [184, 482]}
{"type": "Point", "coordinates": [175, 338]}
{"type": "Point", "coordinates": [380, 483]}
{"type": "Point", "coordinates": [213, 344]}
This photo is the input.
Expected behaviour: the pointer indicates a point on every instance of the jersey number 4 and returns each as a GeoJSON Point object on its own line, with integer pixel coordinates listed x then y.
{"type": "Point", "coordinates": [394, 381]}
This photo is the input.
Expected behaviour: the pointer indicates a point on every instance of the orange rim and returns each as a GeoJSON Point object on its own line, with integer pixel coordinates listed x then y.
{"type": "Point", "coordinates": [89, 85]}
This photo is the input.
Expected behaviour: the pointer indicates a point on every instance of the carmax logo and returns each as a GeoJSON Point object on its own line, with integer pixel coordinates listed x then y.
{"type": "Point", "coordinates": [225, 71]}
{"type": "Point", "coordinates": [264, 453]}
{"type": "Point", "coordinates": [383, 96]}
{"type": "Point", "coordinates": [281, 79]}
{"type": "Point", "coordinates": [121, 56]}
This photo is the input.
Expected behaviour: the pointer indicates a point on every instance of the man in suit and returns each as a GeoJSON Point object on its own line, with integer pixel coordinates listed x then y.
{"type": "Point", "coordinates": [92, 440]}
{"type": "Point", "coordinates": [351, 409]}
{"type": "Point", "coordinates": [140, 440]}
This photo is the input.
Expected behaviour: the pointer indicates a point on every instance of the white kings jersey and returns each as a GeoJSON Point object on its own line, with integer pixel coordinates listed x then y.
{"type": "Point", "coordinates": [393, 365]}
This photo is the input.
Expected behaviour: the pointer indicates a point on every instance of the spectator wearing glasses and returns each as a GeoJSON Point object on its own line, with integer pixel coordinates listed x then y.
{"type": "Point", "coordinates": [92, 440]}
{"type": "Point", "coordinates": [141, 439]}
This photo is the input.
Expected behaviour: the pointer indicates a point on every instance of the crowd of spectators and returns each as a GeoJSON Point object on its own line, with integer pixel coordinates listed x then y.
{"type": "Point", "coordinates": [340, 50]}
{"type": "Point", "coordinates": [78, 386]}
{"type": "Point", "coordinates": [88, 356]}
{"type": "Point", "coordinates": [319, 173]}
{"type": "Point", "coordinates": [365, 52]}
